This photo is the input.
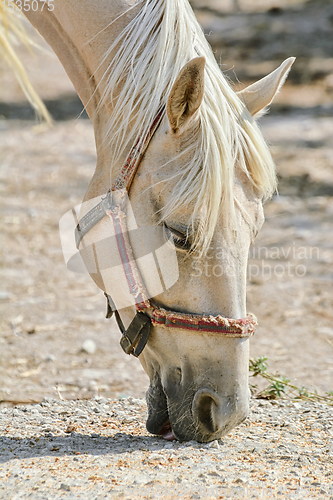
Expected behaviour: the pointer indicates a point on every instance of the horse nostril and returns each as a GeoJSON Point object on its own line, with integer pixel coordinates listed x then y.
{"type": "Point", "coordinates": [205, 409]}
{"type": "Point", "coordinates": [217, 414]}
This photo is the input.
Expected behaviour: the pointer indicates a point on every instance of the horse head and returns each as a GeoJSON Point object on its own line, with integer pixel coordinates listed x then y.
{"type": "Point", "coordinates": [199, 380]}
{"type": "Point", "coordinates": [203, 179]}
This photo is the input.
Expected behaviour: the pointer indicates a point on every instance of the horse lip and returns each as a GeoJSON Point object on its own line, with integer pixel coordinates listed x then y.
{"type": "Point", "coordinates": [166, 432]}
{"type": "Point", "coordinates": [158, 414]}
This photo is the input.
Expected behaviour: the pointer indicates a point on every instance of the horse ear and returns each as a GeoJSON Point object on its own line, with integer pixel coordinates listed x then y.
{"type": "Point", "coordinates": [186, 94]}
{"type": "Point", "coordinates": [260, 94]}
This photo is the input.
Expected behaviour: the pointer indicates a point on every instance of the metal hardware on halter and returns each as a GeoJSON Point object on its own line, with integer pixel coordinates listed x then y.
{"type": "Point", "coordinates": [135, 337]}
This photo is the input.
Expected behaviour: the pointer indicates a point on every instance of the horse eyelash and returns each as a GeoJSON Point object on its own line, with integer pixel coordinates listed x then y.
{"type": "Point", "coordinates": [178, 239]}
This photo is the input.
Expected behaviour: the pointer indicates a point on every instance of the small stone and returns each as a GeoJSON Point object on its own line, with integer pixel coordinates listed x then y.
{"type": "Point", "coordinates": [213, 473]}
{"type": "Point", "coordinates": [101, 401]}
{"type": "Point", "coordinates": [47, 401]}
{"type": "Point", "coordinates": [64, 487]}
{"type": "Point", "coordinates": [241, 480]}
{"type": "Point", "coordinates": [89, 346]}
{"type": "Point", "coordinates": [46, 428]}
{"type": "Point", "coordinates": [213, 444]}
{"type": "Point", "coordinates": [49, 435]}
{"type": "Point", "coordinates": [192, 443]}
{"type": "Point", "coordinates": [70, 428]}
{"type": "Point", "coordinates": [50, 358]}
{"type": "Point", "coordinates": [156, 456]}
{"type": "Point", "coordinates": [169, 446]}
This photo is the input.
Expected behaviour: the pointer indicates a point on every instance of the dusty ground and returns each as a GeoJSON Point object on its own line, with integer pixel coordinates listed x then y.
{"type": "Point", "coordinates": [100, 449]}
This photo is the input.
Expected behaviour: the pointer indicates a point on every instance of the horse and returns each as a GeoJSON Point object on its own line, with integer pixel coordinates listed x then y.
{"type": "Point", "coordinates": [148, 79]}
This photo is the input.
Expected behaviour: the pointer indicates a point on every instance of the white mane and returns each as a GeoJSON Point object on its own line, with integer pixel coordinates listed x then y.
{"type": "Point", "coordinates": [149, 54]}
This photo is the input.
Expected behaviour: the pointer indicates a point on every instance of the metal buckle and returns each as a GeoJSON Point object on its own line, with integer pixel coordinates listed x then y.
{"type": "Point", "coordinates": [136, 334]}
{"type": "Point", "coordinates": [126, 344]}
{"type": "Point", "coordinates": [107, 201]}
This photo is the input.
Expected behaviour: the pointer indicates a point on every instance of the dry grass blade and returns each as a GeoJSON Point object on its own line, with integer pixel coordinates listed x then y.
{"type": "Point", "coordinates": [11, 32]}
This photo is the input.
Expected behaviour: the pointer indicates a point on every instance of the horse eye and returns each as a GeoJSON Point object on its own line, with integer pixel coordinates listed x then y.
{"type": "Point", "coordinates": [180, 240]}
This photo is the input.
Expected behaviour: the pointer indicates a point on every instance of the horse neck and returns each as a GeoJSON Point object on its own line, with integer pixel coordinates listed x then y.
{"type": "Point", "coordinates": [80, 32]}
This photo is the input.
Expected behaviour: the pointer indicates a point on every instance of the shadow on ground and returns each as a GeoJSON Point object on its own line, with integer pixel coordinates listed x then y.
{"type": "Point", "coordinates": [74, 444]}
{"type": "Point", "coordinates": [66, 107]}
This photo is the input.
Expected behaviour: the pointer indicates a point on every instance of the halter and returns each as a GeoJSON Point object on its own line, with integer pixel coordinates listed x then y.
{"type": "Point", "coordinates": [135, 338]}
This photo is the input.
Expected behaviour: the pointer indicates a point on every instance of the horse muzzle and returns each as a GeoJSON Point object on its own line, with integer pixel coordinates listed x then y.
{"type": "Point", "coordinates": [204, 415]}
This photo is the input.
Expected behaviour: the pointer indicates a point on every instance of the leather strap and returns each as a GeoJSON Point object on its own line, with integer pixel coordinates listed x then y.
{"type": "Point", "coordinates": [123, 181]}
{"type": "Point", "coordinates": [128, 170]}
{"type": "Point", "coordinates": [135, 338]}
{"type": "Point", "coordinates": [91, 218]}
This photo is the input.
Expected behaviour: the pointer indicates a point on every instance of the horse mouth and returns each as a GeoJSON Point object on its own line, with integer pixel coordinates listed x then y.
{"type": "Point", "coordinates": [158, 421]}
{"type": "Point", "coordinates": [166, 432]}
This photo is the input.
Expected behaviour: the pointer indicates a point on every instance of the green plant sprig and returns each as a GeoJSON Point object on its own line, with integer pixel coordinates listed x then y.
{"type": "Point", "coordinates": [279, 385]}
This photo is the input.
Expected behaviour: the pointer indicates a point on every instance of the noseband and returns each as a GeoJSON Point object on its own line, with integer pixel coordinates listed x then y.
{"type": "Point", "coordinates": [135, 337]}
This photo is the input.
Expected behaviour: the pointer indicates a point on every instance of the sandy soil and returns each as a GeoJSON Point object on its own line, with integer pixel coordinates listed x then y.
{"type": "Point", "coordinates": [100, 449]}
{"type": "Point", "coordinates": [47, 313]}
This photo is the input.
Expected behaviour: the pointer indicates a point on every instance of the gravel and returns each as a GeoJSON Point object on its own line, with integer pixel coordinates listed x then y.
{"type": "Point", "coordinates": [101, 449]}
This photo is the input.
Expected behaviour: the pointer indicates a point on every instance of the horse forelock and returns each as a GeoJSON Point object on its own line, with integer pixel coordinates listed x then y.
{"type": "Point", "coordinates": [143, 64]}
